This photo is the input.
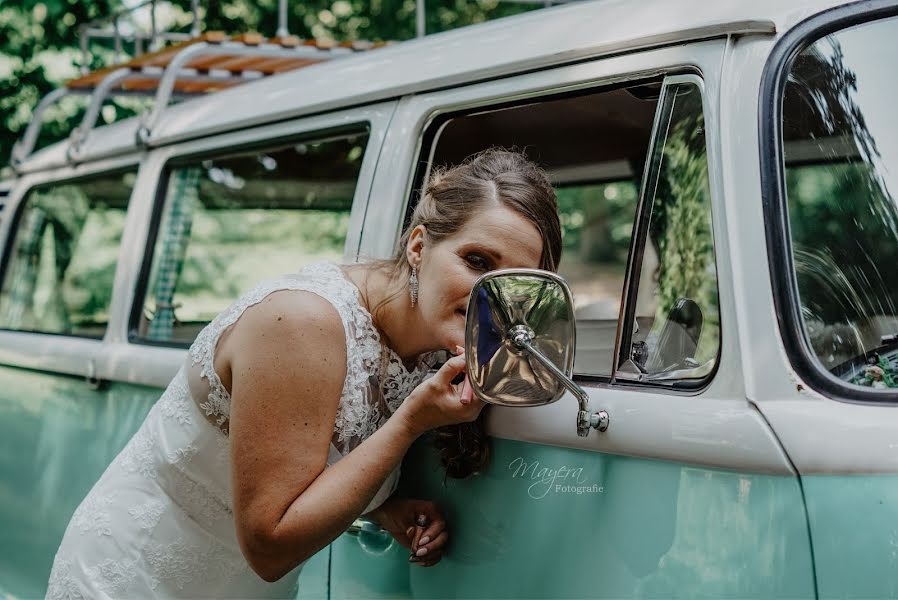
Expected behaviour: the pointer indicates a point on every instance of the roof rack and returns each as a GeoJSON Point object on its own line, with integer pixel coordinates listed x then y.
{"type": "Point", "coordinates": [193, 66]}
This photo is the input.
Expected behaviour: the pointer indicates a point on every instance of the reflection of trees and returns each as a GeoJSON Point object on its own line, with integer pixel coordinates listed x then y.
{"type": "Point", "coordinates": [843, 218]}
{"type": "Point", "coordinates": [680, 227]}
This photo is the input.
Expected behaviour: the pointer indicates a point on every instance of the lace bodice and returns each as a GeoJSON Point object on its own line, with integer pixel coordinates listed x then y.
{"type": "Point", "coordinates": [377, 380]}
{"type": "Point", "coordinates": [159, 523]}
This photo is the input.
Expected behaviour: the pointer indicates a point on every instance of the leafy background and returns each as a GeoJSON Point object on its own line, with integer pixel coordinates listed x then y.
{"type": "Point", "coordinates": [39, 42]}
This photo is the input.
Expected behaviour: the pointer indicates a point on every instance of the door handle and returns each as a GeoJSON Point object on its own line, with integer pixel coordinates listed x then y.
{"type": "Point", "coordinates": [363, 525]}
{"type": "Point", "coordinates": [373, 538]}
{"type": "Point", "coordinates": [93, 382]}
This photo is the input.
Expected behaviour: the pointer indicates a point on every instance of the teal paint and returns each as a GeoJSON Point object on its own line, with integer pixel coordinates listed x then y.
{"type": "Point", "coordinates": [854, 528]}
{"type": "Point", "coordinates": [57, 436]}
{"type": "Point", "coordinates": [550, 522]}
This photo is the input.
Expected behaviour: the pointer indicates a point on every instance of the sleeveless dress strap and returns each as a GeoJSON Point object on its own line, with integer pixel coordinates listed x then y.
{"type": "Point", "coordinates": [327, 281]}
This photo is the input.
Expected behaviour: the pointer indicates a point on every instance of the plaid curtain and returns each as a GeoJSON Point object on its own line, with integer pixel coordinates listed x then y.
{"type": "Point", "coordinates": [175, 237]}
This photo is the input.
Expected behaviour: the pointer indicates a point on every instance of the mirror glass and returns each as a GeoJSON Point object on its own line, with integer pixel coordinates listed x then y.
{"type": "Point", "coordinates": [528, 304]}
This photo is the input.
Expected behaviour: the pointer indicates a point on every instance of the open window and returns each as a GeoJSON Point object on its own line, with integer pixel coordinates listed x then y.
{"type": "Point", "coordinates": [594, 145]}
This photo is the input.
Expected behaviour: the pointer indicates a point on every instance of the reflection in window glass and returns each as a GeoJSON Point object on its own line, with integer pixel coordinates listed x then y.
{"type": "Point", "coordinates": [841, 159]}
{"type": "Point", "coordinates": [233, 221]}
{"type": "Point", "coordinates": [677, 330]}
{"type": "Point", "coordinates": [61, 267]}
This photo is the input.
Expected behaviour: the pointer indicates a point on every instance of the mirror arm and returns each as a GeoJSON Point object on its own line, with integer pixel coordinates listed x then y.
{"type": "Point", "coordinates": [585, 420]}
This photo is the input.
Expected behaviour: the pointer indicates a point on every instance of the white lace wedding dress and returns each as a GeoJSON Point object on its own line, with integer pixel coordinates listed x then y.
{"type": "Point", "coordinates": [159, 522]}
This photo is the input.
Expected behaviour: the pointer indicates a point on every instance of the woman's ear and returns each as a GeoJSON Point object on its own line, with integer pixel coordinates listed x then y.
{"type": "Point", "coordinates": [414, 250]}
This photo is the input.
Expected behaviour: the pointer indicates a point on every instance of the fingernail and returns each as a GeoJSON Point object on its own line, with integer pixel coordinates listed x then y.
{"type": "Point", "coordinates": [412, 558]}
{"type": "Point", "coordinates": [424, 539]}
{"type": "Point", "coordinates": [467, 392]}
{"type": "Point", "coordinates": [421, 552]}
{"type": "Point", "coordinates": [410, 531]}
{"type": "Point", "coordinates": [459, 350]}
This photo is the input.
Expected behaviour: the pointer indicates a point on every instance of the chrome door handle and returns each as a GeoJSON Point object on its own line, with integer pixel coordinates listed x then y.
{"type": "Point", "coordinates": [363, 525]}
{"type": "Point", "coordinates": [373, 538]}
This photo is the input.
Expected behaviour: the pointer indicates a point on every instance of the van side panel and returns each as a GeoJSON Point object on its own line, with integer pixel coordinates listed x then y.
{"type": "Point", "coordinates": [854, 525]}
{"type": "Point", "coordinates": [57, 436]}
{"type": "Point", "coordinates": [551, 522]}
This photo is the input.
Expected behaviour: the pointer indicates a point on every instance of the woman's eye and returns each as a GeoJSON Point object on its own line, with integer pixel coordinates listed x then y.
{"type": "Point", "coordinates": [477, 262]}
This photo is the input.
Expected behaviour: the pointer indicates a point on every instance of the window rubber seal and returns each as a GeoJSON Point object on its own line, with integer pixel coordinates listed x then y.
{"type": "Point", "coordinates": [775, 203]}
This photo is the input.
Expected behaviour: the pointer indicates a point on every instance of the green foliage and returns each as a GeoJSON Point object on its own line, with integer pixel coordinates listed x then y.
{"type": "Point", "coordinates": [597, 220]}
{"type": "Point", "coordinates": [38, 52]}
{"type": "Point", "coordinates": [681, 227]}
{"type": "Point", "coordinates": [845, 251]}
{"type": "Point", "coordinates": [64, 262]}
{"type": "Point", "coordinates": [39, 43]}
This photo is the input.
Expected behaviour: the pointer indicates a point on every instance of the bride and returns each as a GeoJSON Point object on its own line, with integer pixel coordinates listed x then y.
{"type": "Point", "coordinates": [295, 406]}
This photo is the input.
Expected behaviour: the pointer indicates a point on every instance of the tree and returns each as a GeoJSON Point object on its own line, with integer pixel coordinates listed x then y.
{"type": "Point", "coordinates": [39, 43]}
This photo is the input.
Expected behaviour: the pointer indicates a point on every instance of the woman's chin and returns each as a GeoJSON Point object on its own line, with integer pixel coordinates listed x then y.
{"type": "Point", "coordinates": [454, 342]}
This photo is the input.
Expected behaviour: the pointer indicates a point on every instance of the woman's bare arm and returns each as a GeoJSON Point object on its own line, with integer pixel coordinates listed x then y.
{"type": "Point", "coordinates": [287, 363]}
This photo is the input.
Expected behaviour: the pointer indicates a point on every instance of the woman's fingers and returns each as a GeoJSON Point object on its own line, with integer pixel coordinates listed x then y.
{"type": "Point", "coordinates": [450, 369]}
{"type": "Point", "coordinates": [429, 559]}
{"type": "Point", "coordinates": [433, 546]}
{"type": "Point", "coordinates": [431, 532]}
{"type": "Point", "coordinates": [467, 392]}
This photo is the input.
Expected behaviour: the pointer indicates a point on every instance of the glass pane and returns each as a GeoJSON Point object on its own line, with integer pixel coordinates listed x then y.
{"type": "Point", "coordinates": [677, 330]}
{"type": "Point", "coordinates": [62, 264]}
{"type": "Point", "coordinates": [841, 161]}
{"type": "Point", "coordinates": [233, 221]}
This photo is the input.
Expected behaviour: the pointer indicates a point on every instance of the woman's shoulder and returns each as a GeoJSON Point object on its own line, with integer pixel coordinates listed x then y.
{"type": "Point", "coordinates": [318, 284]}
{"type": "Point", "coordinates": [291, 320]}
{"type": "Point", "coordinates": [315, 296]}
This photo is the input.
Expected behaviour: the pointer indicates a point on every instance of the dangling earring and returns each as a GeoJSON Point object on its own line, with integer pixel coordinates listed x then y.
{"type": "Point", "coordinates": [413, 285]}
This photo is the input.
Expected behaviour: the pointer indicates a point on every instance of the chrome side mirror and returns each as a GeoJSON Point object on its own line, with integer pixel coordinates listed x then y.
{"type": "Point", "coordinates": [520, 340]}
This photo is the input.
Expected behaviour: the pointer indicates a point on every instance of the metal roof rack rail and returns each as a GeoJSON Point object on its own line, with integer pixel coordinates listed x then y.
{"type": "Point", "coordinates": [193, 66]}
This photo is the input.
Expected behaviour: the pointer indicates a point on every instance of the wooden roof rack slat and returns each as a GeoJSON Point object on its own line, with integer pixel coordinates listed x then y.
{"type": "Point", "coordinates": [206, 63]}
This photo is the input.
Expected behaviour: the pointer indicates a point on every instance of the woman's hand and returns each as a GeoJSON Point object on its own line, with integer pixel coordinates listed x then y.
{"type": "Point", "coordinates": [437, 402]}
{"type": "Point", "coordinates": [402, 517]}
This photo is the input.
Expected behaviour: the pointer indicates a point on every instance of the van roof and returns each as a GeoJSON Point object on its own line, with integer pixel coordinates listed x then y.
{"type": "Point", "coordinates": [533, 40]}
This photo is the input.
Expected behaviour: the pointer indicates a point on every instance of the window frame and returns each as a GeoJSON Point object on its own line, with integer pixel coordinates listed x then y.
{"type": "Point", "coordinates": [774, 199]}
{"type": "Point", "coordinates": [360, 126]}
{"type": "Point", "coordinates": [15, 220]}
{"type": "Point", "coordinates": [429, 138]}
{"type": "Point", "coordinates": [638, 241]}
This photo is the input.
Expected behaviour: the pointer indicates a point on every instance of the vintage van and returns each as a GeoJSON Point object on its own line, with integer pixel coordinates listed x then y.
{"type": "Point", "coordinates": [725, 174]}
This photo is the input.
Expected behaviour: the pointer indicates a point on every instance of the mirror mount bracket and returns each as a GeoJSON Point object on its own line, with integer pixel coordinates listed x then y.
{"type": "Point", "coordinates": [521, 338]}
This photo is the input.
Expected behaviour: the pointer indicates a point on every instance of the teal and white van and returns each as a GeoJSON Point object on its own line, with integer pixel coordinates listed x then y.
{"type": "Point", "coordinates": [727, 175]}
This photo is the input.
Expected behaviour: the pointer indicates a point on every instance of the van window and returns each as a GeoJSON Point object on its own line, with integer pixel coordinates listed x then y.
{"type": "Point", "coordinates": [61, 263]}
{"type": "Point", "coordinates": [840, 150]}
{"type": "Point", "coordinates": [230, 221]}
{"type": "Point", "coordinates": [676, 319]}
{"type": "Point", "coordinates": [593, 145]}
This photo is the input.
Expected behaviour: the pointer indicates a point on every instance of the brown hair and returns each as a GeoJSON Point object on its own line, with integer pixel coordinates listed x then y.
{"type": "Point", "coordinates": [449, 198]}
